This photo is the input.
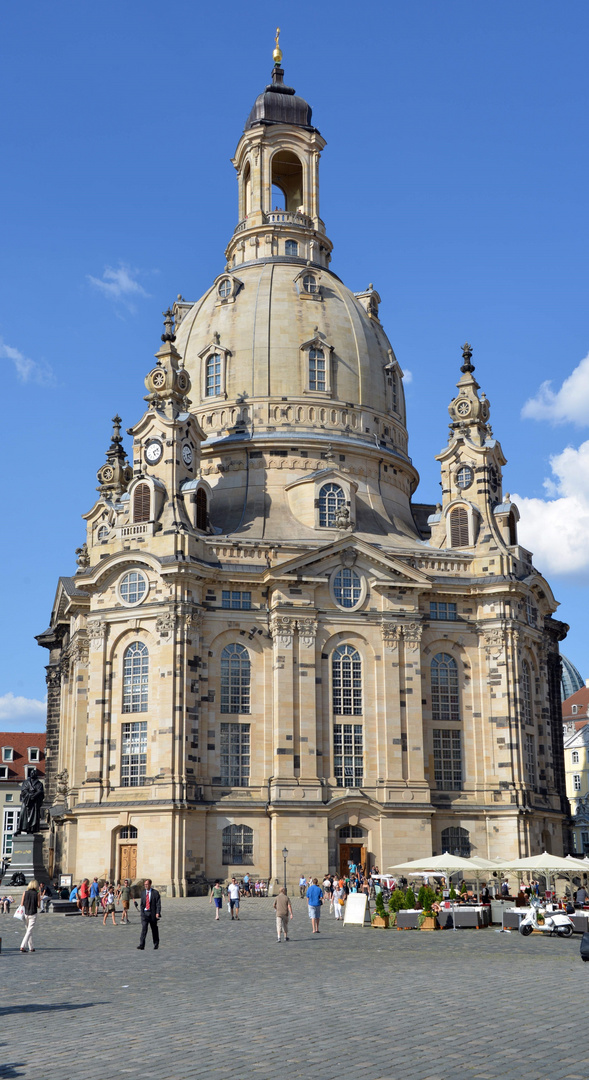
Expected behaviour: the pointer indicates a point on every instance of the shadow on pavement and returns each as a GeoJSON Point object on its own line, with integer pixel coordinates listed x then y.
{"type": "Point", "coordinates": [63, 1006]}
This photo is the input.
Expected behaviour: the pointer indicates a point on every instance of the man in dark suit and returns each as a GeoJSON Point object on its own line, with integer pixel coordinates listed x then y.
{"type": "Point", "coordinates": [151, 913]}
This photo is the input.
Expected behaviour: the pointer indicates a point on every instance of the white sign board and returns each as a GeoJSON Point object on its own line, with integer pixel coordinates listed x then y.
{"type": "Point", "coordinates": [355, 909]}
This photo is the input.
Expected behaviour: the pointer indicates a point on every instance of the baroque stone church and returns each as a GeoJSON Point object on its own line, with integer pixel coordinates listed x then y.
{"type": "Point", "coordinates": [267, 645]}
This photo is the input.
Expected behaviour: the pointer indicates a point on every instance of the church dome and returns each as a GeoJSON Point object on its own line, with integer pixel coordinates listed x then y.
{"type": "Point", "coordinates": [571, 679]}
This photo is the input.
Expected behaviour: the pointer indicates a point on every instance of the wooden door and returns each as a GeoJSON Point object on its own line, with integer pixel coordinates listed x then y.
{"type": "Point", "coordinates": [348, 853]}
{"type": "Point", "coordinates": [128, 861]}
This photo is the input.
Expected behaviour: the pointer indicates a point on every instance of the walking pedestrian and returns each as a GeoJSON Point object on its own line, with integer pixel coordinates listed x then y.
{"type": "Point", "coordinates": [30, 902]}
{"type": "Point", "coordinates": [151, 913]}
{"type": "Point", "coordinates": [110, 906]}
{"type": "Point", "coordinates": [283, 909]}
{"type": "Point", "coordinates": [94, 895]}
{"type": "Point", "coordinates": [233, 894]}
{"type": "Point", "coordinates": [217, 896]}
{"type": "Point", "coordinates": [125, 895]}
{"type": "Point", "coordinates": [302, 886]}
{"type": "Point", "coordinates": [84, 896]}
{"type": "Point", "coordinates": [314, 900]}
{"type": "Point", "coordinates": [339, 900]}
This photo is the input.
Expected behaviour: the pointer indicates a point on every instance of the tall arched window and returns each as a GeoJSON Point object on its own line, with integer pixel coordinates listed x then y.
{"type": "Point", "coordinates": [141, 503]}
{"type": "Point", "coordinates": [456, 841]}
{"type": "Point", "coordinates": [317, 369]}
{"type": "Point", "coordinates": [459, 527]}
{"type": "Point", "coordinates": [135, 677]}
{"type": "Point", "coordinates": [526, 693]}
{"type": "Point", "coordinates": [201, 509]}
{"type": "Point", "coordinates": [346, 669]}
{"type": "Point", "coordinates": [445, 696]}
{"type": "Point", "coordinates": [213, 375]}
{"type": "Point", "coordinates": [238, 845]}
{"type": "Point", "coordinates": [512, 529]}
{"type": "Point", "coordinates": [235, 679]}
{"type": "Point", "coordinates": [331, 499]}
{"type": "Point", "coordinates": [291, 247]}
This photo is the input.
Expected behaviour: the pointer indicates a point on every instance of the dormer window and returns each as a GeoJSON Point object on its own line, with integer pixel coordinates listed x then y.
{"type": "Point", "coordinates": [3, 772]}
{"type": "Point", "coordinates": [459, 527]}
{"type": "Point", "coordinates": [225, 288]}
{"type": "Point", "coordinates": [141, 503]}
{"type": "Point", "coordinates": [317, 369]}
{"type": "Point", "coordinates": [331, 500]}
{"type": "Point", "coordinates": [34, 753]}
{"type": "Point", "coordinates": [7, 753]}
{"type": "Point", "coordinates": [310, 283]}
{"type": "Point", "coordinates": [29, 770]}
{"type": "Point", "coordinates": [102, 533]}
{"type": "Point", "coordinates": [213, 375]}
{"type": "Point", "coordinates": [201, 509]}
{"type": "Point", "coordinates": [574, 710]}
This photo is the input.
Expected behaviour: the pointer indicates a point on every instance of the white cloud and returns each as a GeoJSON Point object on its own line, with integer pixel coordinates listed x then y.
{"type": "Point", "coordinates": [570, 403]}
{"type": "Point", "coordinates": [119, 284]}
{"type": "Point", "coordinates": [21, 713]}
{"type": "Point", "coordinates": [27, 370]}
{"type": "Point", "coordinates": [407, 377]}
{"type": "Point", "coordinates": [556, 529]}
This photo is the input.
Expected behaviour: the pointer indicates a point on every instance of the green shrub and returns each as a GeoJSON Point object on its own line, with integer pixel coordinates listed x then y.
{"type": "Point", "coordinates": [452, 893]}
{"type": "Point", "coordinates": [379, 905]}
{"type": "Point", "coordinates": [397, 900]}
{"type": "Point", "coordinates": [409, 899]}
{"type": "Point", "coordinates": [426, 898]}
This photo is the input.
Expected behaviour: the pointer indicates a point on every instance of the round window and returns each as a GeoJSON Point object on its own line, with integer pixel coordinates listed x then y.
{"type": "Point", "coordinates": [347, 588]}
{"type": "Point", "coordinates": [133, 587]}
{"type": "Point", "coordinates": [225, 288]}
{"type": "Point", "coordinates": [464, 477]}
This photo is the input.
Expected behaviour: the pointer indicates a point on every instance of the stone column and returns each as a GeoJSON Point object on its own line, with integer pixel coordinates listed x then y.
{"type": "Point", "coordinates": [410, 690]}
{"type": "Point", "coordinates": [391, 739]}
{"type": "Point", "coordinates": [308, 728]}
{"type": "Point", "coordinates": [282, 629]}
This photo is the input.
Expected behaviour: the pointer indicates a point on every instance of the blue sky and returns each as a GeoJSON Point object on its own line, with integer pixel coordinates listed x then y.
{"type": "Point", "coordinates": [455, 179]}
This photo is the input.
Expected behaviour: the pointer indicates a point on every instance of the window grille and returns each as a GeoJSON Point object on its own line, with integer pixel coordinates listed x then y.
{"type": "Point", "coordinates": [141, 503]}
{"type": "Point", "coordinates": [225, 288]}
{"type": "Point", "coordinates": [331, 499]}
{"type": "Point", "coordinates": [456, 841]}
{"type": "Point", "coordinates": [133, 587]}
{"type": "Point", "coordinates": [529, 759]}
{"type": "Point", "coordinates": [346, 667]}
{"type": "Point", "coordinates": [351, 832]}
{"type": "Point", "coordinates": [447, 759]}
{"type": "Point", "coordinates": [317, 369]}
{"type": "Point", "coordinates": [459, 527]}
{"type": "Point", "coordinates": [213, 375]}
{"type": "Point", "coordinates": [347, 587]}
{"type": "Point", "coordinates": [134, 754]}
{"type": "Point", "coordinates": [102, 532]}
{"type": "Point", "coordinates": [348, 755]}
{"type": "Point", "coordinates": [235, 679]}
{"type": "Point", "coordinates": [445, 695]}
{"type": "Point", "coordinates": [464, 477]}
{"type": "Point", "coordinates": [238, 845]}
{"type": "Point", "coordinates": [526, 693]}
{"type": "Point", "coordinates": [309, 284]}
{"type": "Point", "coordinates": [235, 755]}
{"type": "Point", "coordinates": [442, 611]}
{"type": "Point", "coordinates": [238, 601]}
{"type": "Point", "coordinates": [135, 678]}
{"type": "Point", "coordinates": [128, 832]}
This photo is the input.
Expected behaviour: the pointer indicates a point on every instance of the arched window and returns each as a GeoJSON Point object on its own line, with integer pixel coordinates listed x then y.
{"type": "Point", "coordinates": [526, 693]}
{"type": "Point", "coordinates": [213, 375]}
{"type": "Point", "coordinates": [445, 697]}
{"type": "Point", "coordinates": [103, 532]}
{"type": "Point", "coordinates": [346, 669]}
{"type": "Point", "coordinates": [351, 832]}
{"type": "Point", "coordinates": [201, 509]}
{"type": "Point", "coordinates": [317, 369]}
{"type": "Point", "coordinates": [512, 529]}
{"type": "Point", "coordinates": [459, 527]}
{"type": "Point", "coordinates": [310, 283]}
{"type": "Point", "coordinates": [456, 841]}
{"type": "Point", "coordinates": [235, 679]}
{"type": "Point", "coordinates": [575, 757]}
{"type": "Point", "coordinates": [238, 845]}
{"type": "Point", "coordinates": [291, 247]}
{"type": "Point", "coordinates": [135, 677]}
{"type": "Point", "coordinates": [141, 503]}
{"type": "Point", "coordinates": [128, 832]}
{"type": "Point", "coordinates": [225, 288]}
{"type": "Point", "coordinates": [331, 499]}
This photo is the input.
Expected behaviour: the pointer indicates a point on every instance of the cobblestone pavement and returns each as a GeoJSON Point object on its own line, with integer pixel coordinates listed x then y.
{"type": "Point", "coordinates": [222, 1000]}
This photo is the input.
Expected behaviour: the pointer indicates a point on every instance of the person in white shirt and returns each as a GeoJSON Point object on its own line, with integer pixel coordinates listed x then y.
{"type": "Point", "coordinates": [302, 886]}
{"type": "Point", "coordinates": [233, 894]}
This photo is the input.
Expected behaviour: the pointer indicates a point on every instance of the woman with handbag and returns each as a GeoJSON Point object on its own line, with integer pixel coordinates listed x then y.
{"type": "Point", "coordinates": [30, 903]}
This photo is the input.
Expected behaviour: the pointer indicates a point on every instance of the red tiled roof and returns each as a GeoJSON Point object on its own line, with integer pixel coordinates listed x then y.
{"type": "Point", "coordinates": [20, 741]}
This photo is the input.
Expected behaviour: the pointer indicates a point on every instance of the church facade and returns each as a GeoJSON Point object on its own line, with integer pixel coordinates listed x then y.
{"type": "Point", "coordinates": [267, 645]}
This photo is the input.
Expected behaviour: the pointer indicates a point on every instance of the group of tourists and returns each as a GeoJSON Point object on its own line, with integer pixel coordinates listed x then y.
{"type": "Point", "coordinates": [98, 899]}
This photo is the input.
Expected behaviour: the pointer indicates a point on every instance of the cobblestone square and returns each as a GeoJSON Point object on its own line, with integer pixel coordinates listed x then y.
{"type": "Point", "coordinates": [221, 1000]}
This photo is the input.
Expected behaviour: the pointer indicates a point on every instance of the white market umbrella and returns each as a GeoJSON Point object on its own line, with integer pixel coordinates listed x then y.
{"type": "Point", "coordinates": [548, 865]}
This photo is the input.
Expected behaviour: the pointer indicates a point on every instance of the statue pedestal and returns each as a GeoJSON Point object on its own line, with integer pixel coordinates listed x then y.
{"type": "Point", "coordinates": [27, 858]}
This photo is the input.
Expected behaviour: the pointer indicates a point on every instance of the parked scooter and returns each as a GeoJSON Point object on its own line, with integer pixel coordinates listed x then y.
{"type": "Point", "coordinates": [555, 923]}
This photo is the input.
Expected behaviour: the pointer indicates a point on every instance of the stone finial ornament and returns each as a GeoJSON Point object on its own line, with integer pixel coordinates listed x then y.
{"type": "Point", "coordinates": [467, 357]}
{"type": "Point", "coordinates": [168, 334]}
{"type": "Point", "coordinates": [277, 54]}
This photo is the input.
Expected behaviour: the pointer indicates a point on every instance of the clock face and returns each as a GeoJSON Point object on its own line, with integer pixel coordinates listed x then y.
{"type": "Point", "coordinates": [463, 408]}
{"type": "Point", "coordinates": [107, 473]}
{"type": "Point", "coordinates": [158, 379]}
{"type": "Point", "coordinates": [153, 451]}
{"type": "Point", "coordinates": [182, 381]}
{"type": "Point", "coordinates": [187, 454]}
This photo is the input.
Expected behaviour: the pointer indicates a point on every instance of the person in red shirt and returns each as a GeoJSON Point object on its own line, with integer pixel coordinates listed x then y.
{"type": "Point", "coordinates": [84, 894]}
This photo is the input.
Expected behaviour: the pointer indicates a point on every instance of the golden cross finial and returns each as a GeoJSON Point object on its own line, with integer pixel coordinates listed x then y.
{"type": "Point", "coordinates": [277, 54]}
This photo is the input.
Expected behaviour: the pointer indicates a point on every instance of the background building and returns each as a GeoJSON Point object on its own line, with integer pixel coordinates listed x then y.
{"type": "Point", "coordinates": [267, 644]}
{"type": "Point", "coordinates": [20, 751]}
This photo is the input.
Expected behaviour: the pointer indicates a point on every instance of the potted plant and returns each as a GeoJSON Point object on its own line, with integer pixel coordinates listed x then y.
{"type": "Point", "coordinates": [380, 917]}
{"type": "Point", "coordinates": [427, 916]}
{"type": "Point", "coordinates": [410, 900]}
{"type": "Point", "coordinates": [396, 902]}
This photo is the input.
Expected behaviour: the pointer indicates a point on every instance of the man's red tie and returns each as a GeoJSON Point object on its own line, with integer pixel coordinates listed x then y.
{"type": "Point", "coordinates": [147, 895]}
